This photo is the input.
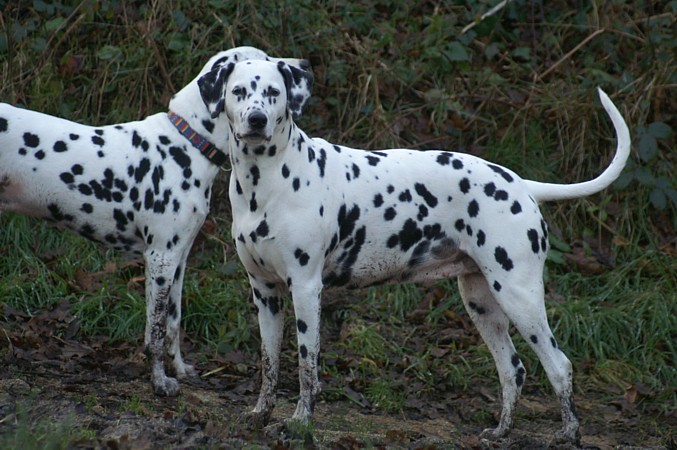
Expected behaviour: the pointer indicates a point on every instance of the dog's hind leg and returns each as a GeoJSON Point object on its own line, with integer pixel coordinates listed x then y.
{"type": "Point", "coordinates": [493, 326]}
{"type": "Point", "coordinates": [524, 305]}
{"type": "Point", "coordinates": [181, 369]}
{"type": "Point", "coordinates": [268, 301]}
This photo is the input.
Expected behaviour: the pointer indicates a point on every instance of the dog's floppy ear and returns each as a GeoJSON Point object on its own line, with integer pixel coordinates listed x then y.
{"type": "Point", "coordinates": [212, 85]}
{"type": "Point", "coordinates": [299, 84]}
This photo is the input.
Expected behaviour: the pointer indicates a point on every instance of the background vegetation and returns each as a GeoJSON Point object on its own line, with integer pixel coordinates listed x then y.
{"type": "Point", "coordinates": [516, 88]}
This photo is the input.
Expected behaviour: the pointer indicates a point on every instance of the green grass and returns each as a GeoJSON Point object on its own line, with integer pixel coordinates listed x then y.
{"type": "Point", "coordinates": [396, 76]}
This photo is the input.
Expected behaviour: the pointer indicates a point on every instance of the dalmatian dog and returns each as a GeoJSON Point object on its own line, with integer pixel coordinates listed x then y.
{"type": "Point", "coordinates": [141, 187]}
{"type": "Point", "coordinates": [309, 214]}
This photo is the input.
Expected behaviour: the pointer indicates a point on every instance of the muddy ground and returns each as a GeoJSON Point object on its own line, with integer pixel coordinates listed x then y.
{"type": "Point", "coordinates": [98, 395]}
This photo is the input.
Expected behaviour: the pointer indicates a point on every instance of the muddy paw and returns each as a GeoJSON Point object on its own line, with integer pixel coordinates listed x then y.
{"type": "Point", "coordinates": [166, 387]}
{"type": "Point", "coordinates": [493, 434]}
{"type": "Point", "coordinates": [571, 436]}
{"type": "Point", "coordinates": [256, 419]}
{"type": "Point", "coordinates": [186, 371]}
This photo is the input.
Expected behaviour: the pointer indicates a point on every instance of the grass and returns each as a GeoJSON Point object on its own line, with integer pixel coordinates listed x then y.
{"type": "Point", "coordinates": [510, 90]}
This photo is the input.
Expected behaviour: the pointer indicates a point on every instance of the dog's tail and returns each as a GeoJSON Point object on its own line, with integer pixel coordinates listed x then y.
{"type": "Point", "coordinates": [546, 191]}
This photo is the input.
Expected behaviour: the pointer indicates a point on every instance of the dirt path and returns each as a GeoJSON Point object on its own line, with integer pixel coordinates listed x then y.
{"type": "Point", "coordinates": [120, 411]}
{"type": "Point", "coordinates": [59, 390]}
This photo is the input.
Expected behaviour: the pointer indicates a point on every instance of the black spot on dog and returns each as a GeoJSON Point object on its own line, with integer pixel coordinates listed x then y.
{"type": "Point", "coordinates": [464, 185]}
{"type": "Point", "coordinates": [497, 286]}
{"type": "Point", "coordinates": [347, 220]}
{"type": "Point", "coordinates": [378, 200]}
{"type": "Point", "coordinates": [3, 125]}
{"type": "Point", "coordinates": [180, 157]}
{"type": "Point", "coordinates": [516, 208]}
{"type": "Point", "coordinates": [60, 147]}
{"type": "Point", "coordinates": [501, 195]}
{"type": "Point", "coordinates": [296, 184]}
{"type": "Point", "coordinates": [98, 140]}
{"type": "Point", "coordinates": [141, 171]}
{"type": "Point", "coordinates": [373, 160]}
{"type": "Point", "coordinates": [489, 189]}
{"type": "Point", "coordinates": [475, 307]}
{"type": "Point", "coordinates": [428, 197]}
{"type": "Point", "coordinates": [31, 140]}
{"type": "Point", "coordinates": [301, 326]}
{"type": "Point", "coordinates": [443, 159]}
{"type": "Point", "coordinates": [534, 338]}
{"type": "Point", "coordinates": [502, 172]}
{"type": "Point", "coordinates": [67, 177]}
{"type": "Point", "coordinates": [459, 225]}
{"type": "Point", "coordinates": [503, 259]}
{"type": "Point", "coordinates": [409, 235]}
{"type": "Point", "coordinates": [481, 238]}
{"type": "Point", "coordinates": [473, 208]}
{"type": "Point", "coordinates": [533, 238]}
{"type": "Point", "coordinates": [422, 212]}
{"type": "Point", "coordinates": [356, 171]}
{"type": "Point", "coordinates": [304, 351]}
{"type": "Point", "coordinates": [405, 196]}
{"type": "Point", "coordinates": [256, 175]}
{"type": "Point", "coordinates": [515, 360]}
{"type": "Point", "coordinates": [39, 155]}
{"type": "Point", "coordinates": [302, 256]}
{"type": "Point", "coordinates": [519, 376]}
{"type": "Point", "coordinates": [285, 171]}
{"type": "Point", "coordinates": [262, 229]}
{"type": "Point", "coordinates": [390, 214]}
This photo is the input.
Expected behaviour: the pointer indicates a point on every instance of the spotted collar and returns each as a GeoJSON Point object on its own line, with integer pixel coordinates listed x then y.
{"type": "Point", "coordinates": [208, 149]}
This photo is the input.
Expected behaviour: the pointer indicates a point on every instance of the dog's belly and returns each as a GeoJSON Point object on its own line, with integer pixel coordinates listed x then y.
{"type": "Point", "coordinates": [355, 265]}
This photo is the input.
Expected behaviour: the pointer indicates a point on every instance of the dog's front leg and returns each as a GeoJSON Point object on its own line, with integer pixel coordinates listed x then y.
{"type": "Point", "coordinates": [306, 298]}
{"type": "Point", "coordinates": [160, 270]}
{"type": "Point", "coordinates": [268, 303]}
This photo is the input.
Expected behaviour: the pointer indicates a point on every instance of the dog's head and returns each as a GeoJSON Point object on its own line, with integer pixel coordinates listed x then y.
{"type": "Point", "coordinates": [213, 78]}
{"type": "Point", "coordinates": [259, 95]}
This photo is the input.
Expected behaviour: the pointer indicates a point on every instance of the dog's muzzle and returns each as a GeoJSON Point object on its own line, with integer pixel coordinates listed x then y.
{"type": "Point", "coordinates": [257, 123]}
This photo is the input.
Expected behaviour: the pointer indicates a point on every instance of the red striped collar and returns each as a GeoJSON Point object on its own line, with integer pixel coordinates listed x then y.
{"type": "Point", "coordinates": [208, 149]}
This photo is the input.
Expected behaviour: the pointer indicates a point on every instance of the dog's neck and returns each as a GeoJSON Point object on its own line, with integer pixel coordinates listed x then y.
{"type": "Point", "coordinates": [250, 162]}
{"type": "Point", "coordinates": [188, 104]}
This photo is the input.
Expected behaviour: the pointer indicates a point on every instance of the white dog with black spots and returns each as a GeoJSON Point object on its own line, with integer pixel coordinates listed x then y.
{"type": "Point", "coordinates": [141, 187]}
{"type": "Point", "coordinates": [309, 214]}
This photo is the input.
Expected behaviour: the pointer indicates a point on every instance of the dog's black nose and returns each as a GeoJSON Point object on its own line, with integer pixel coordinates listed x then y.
{"type": "Point", "coordinates": [257, 120]}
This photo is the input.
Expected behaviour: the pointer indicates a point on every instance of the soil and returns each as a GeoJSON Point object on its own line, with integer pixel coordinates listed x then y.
{"type": "Point", "coordinates": [101, 392]}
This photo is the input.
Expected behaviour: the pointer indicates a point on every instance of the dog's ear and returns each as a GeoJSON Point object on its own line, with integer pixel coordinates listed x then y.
{"type": "Point", "coordinates": [212, 85]}
{"type": "Point", "coordinates": [299, 84]}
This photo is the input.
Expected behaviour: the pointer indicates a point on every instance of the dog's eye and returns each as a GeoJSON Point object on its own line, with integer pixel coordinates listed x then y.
{"type": "Point", "coordinates": [238, 91]}
{"type": "Point", "coordinates": [272, 92]}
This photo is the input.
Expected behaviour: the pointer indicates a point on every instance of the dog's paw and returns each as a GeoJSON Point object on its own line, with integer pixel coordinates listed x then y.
{"type": "Point", "coordinates": [184, 371]}
{"type": "Point", "coordinates": [166, 387]}
{"type": "Point", "coordinates": [256, 419]}
{"type": "Point", "coordinates": [494, 434]}
{"type": "Point", "coordinates": [568, 436]}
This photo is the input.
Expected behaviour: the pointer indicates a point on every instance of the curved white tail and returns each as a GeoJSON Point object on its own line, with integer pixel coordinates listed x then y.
{"type": "Point", "coordinates": [548, 191]}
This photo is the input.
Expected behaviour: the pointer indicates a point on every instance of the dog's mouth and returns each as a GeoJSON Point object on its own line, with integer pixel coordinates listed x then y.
{"type": "Point", "coordinates": [254, 137]}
